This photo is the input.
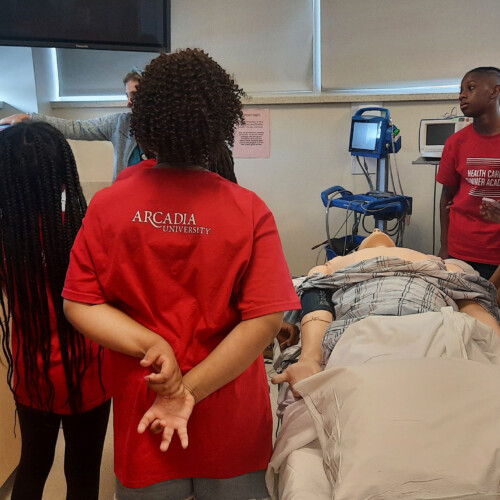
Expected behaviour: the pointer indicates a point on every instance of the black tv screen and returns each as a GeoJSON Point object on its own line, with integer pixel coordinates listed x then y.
{"type": "Point", "coordinates": [437, 133]}
{"type": "Point", "coordinates": [142, 25]}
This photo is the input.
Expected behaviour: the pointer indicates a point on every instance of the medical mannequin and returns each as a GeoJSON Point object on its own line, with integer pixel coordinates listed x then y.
{"type": "Point", "coordinates": [316, 321]}
{"type": "Point", "coordinates": [374, 245]}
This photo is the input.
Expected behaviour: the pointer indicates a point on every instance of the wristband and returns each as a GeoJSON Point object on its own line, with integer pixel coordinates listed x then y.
{"type": "Point", "coordinates": [315, 318]}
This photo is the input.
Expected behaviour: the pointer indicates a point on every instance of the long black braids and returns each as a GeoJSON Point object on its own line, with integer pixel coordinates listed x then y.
{"type": "Point", "coordinates": [36, 164]}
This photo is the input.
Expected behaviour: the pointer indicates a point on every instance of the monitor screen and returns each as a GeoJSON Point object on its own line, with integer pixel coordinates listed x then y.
{"type": "Point", "coordinates": [365, 135]}
{"type": "Point", "coordinates": [112, 24]}
{"type": "Point", "coordinates": [437, 133]}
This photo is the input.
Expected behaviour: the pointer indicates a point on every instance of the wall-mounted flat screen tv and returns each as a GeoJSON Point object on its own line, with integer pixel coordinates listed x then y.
{"type": "Point", "coordinates": [142, 25]}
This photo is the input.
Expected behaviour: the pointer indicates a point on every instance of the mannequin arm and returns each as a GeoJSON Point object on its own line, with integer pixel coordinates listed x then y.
{"type": "Point", "coordinates": [313, 328]}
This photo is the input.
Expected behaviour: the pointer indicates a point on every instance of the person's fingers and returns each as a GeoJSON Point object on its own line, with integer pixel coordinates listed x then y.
{"type": "Point", "coordinates": [280, 378]}
{"type": "Point", "coordinates": [156, 378]}
{"type": "Point", "coordinates": [285, 343]}
{"type": "Point", "coordinates": [147, 418]}
{"type": "Point", "coordinates": [157, 426]}
{"type": "Point", "coordinates": [183, 436]}
{"type": "Point", "coordinates": [153, 355]}
{"type": "Point", "coordinates": [146, 361]}
{"type": "Point", "coordinates": [166, 438]}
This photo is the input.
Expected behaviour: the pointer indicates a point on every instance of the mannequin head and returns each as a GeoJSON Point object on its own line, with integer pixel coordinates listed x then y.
{"type": "Point", "coordinates": [376, 239]}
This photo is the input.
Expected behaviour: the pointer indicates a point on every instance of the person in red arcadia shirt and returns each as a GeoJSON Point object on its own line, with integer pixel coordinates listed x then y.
{"type": "Point", "coordinates": [184, 270]}
{"type": "Point", "coordinates": [56, 374]}
{"type": "Point", "coordinates": [470, 171]}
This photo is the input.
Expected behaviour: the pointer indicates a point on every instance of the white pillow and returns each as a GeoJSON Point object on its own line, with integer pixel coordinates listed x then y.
{"type": "Point", "coordinates": [421, 428]}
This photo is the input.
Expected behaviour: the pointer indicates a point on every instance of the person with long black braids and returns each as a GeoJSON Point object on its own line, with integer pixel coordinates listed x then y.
{"type": "Point", "coordinates": [180, 271]}
{"type": "Point", "coordinates": [55, 373]}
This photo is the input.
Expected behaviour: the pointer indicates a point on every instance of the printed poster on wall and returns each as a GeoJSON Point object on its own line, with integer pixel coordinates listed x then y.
{"type": "Point", "coordinates": [253, 139]}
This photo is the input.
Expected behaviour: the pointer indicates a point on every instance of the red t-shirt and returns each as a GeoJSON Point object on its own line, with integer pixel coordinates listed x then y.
{"type": "Point", "coordinates": [95, 387]}
{"type": "Point", "coordinates": [189, 255]}
{"type": "Point", "coordinates": [471, 161]}
{"type": "Point", "coordinates": [95, 390]}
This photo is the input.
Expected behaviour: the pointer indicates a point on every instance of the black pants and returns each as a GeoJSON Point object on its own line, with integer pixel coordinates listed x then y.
{"type": "Point", "coordinates": [84, 435]}
{"type": "Point", "coordinates": [484, 270]}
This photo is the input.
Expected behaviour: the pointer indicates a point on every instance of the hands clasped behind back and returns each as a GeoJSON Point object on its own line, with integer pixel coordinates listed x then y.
{"type": "Point", "coordinates": [174, 404]}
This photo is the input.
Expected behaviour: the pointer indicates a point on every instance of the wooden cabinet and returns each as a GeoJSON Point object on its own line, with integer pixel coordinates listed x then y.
{"type": "Point", "coordinates": [10, 444]}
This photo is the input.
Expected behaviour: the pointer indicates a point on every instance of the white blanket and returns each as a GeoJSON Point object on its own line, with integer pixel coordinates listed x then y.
{"type": "Point", "coordinates": [383, 340]}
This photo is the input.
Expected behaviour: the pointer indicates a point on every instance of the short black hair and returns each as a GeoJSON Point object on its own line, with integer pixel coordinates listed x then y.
{"type": "Point", "coordinates": [492, 70]}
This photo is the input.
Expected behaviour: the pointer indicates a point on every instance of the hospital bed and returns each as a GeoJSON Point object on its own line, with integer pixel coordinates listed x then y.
{"type": "Point", "coordinates": [407, 407]}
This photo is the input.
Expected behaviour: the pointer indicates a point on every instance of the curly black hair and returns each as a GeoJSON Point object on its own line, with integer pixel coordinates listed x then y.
{"type": "Point", "coordinates": [186, 109]}
{"type": "Point", "coordinates": [36, 236]}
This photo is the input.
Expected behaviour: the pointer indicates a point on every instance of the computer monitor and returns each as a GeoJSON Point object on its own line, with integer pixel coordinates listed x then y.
{"type": "Point", "coordinates": [434, 132]}
{"type": "Point", "coordinates": [373, 135]}
{"type": "Point", "coordinates": [365, 136]}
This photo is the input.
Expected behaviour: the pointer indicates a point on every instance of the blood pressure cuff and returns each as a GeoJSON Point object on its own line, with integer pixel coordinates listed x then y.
{"type": "Point", "coordinates": [316, 299]}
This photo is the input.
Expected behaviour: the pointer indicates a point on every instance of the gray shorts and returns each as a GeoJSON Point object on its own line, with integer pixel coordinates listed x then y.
{"type": "Point", "coordinates": [250, 486]}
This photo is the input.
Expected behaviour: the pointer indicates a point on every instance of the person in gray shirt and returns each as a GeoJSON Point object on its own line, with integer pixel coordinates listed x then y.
{"type": "Point", "coordinates": [114, 128]}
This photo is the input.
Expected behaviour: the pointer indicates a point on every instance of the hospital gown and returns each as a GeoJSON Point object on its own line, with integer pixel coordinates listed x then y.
{"type": "Point", "coordinates": [390, 286]}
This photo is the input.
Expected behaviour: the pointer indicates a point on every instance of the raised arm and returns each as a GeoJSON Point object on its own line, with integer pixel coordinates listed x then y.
{"type": "Point", "coordinates": [447, 195]}
{"type": "Point", "coordinates": [94, 129]}
{"type": "Point", "coordinates": [13, 119]}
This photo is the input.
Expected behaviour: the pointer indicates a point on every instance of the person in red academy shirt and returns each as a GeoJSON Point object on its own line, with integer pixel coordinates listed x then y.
{"type": "Point", "coordinates": [470, 171]}
{"type": "Point", "coordinates": [181, 273]}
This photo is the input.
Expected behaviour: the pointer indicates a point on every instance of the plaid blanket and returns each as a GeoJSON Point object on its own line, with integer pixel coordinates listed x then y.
{"type": "Point", "coordinates": [390, 286]}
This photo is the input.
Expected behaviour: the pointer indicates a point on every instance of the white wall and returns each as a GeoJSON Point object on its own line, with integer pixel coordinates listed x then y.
{"type": "Point", "coordinates": [17, 78]}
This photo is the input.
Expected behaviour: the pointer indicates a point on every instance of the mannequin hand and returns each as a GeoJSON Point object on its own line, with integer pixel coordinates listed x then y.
{"type": "Point", "coordinates": [169, 415]}
{"type": "Point", "coordinates": [13, 119]}
{"type": "Point", "coordinates": [288, 335]}
{"type": "Point", "coordinates": [298, 371]}
{"type": "Point", "coordinates": [166, 378]}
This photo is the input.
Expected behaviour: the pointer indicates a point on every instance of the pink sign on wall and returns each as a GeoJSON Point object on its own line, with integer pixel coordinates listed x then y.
{"type": "Point", "coordinates": [253, 139]}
